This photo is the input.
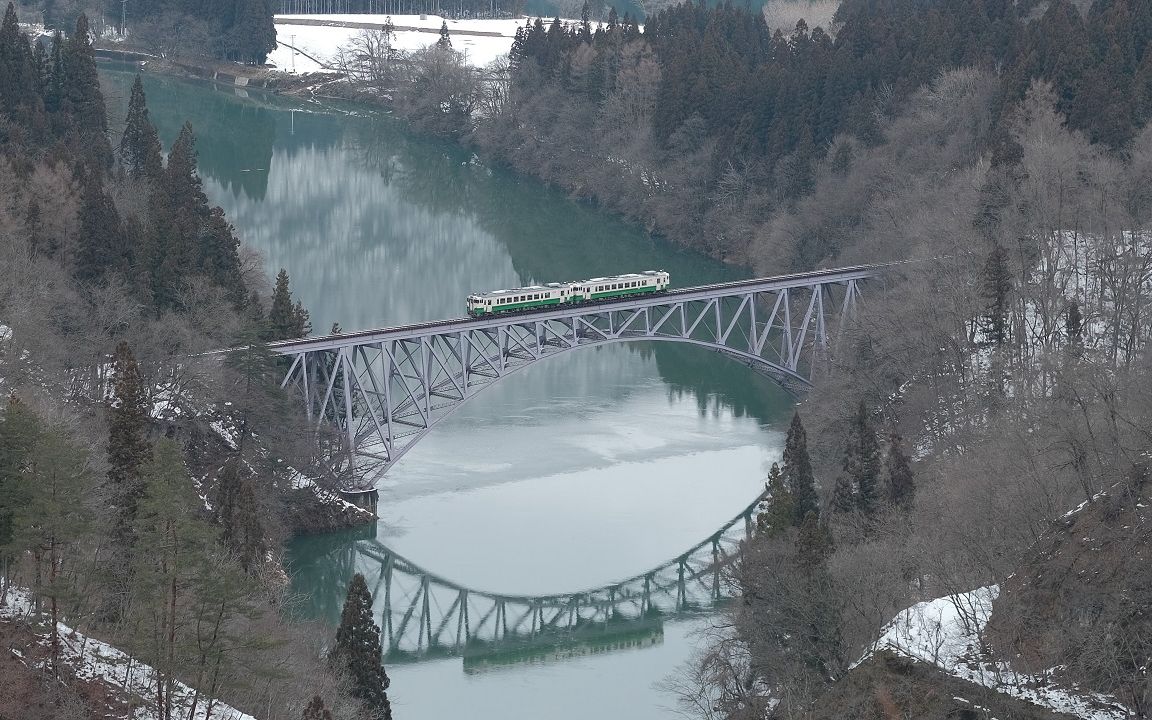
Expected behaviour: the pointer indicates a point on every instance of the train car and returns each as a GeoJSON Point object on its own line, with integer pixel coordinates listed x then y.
{"type": "Point", "coordinates": [526, 298]}
{"type": "Point", "coordinates": [649, 281]}
{"type": "Point", "coordinates": [538, 297]}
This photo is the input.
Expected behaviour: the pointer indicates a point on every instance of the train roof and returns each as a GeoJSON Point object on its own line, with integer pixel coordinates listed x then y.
{"type": "Point", "coordinates": [516, 291]}
{"type": "Point", "coordinates": [555, 286]}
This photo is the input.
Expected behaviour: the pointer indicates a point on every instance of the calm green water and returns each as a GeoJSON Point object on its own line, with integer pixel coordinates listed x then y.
{"type": "Point", "coordinates": [585, 469]}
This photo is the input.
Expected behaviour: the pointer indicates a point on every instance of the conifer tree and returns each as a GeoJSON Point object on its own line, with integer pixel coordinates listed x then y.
{"type": "Point", "coordinates": [445, 41]}
{"type": "Point", "coordinates": [862, 460]}
{"type": "Point", "coordinates": [997, 286]}
{"type": "Point", "coordinates": [1074, 329]}
{"type": "Point", "coordinates": [18, 91]}
{"type": "Point", "coordinates": [776, 514]}
{"type": "Point", "coordinates": [19, 428]}
{"type": "Point", "coordinates": [901, 485]}
{"type": "Point", "coordinates": [358, 649]}
{"type": "Point", "coordinates": [140, 150]}
{"type": "Point", "coordinates": [128, 445]}
{"type": "Point", "coordinates": [102, 247]}
{"type": "Point", "coordinates": [241, 531]}
{"type": "Point", "coordinates": [285, 320]}
{"type": "Point", "coordinates": [843, 494]}
{"type": "Point", "coordinates": [253, 32]}
{"type": "Point", "coordinates": [54, 83]}
{"type": "Point", "coordinates": [82, 99]}
{"type": "Point", "coordinates": [316, 710]}
{"type": "Point", "coordinates": [798, 474]}
{"type": "Point", "coordinates": [814, 544]}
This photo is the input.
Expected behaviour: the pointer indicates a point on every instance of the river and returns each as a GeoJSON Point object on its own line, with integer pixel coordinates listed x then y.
{"type": "Point", "coordinates": [576, 473]}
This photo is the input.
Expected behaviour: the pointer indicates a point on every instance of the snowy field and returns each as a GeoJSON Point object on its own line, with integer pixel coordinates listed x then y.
{"type": "Point", "coordinates": [945, 632]}
{"type": "Point", "coordinates": [413, 32]}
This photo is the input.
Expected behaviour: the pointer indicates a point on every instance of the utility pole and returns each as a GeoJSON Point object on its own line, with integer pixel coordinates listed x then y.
{"type": "Point", "coordinates": [123, 17]}
{"type": "Point", "coordinates": [293, 49]}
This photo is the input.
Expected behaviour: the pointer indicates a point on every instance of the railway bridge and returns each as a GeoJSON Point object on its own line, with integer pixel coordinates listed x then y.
{"type": "Point", "coordinates": [377, 393]}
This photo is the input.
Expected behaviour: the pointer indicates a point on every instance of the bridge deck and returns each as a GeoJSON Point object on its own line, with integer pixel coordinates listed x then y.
{"type": "Point", "coordinates": [701, 292]}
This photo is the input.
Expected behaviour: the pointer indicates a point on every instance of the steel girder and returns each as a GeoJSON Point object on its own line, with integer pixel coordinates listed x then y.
{"type": "Point", "coordinates": [384, 390]}
{"type": "Point", "coordinates": [424, 613]}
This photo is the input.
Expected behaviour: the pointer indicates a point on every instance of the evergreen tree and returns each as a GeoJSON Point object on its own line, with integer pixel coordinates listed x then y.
{"type": "Point", "coordinates": [140, 150]}
{"type": "Point", "coordinates": [18, 91]}
{"type": "Point", "coordinates": [253, 32]}
{"type": "Point", "coordinates": [316, 710]}
{"type": "Point", "coordinates": [798, 474]}
{"type": "Point", "coordinates": [1074, 329]}
{"type": "Point", "coordinates": [843, 494]}
{"type": "Point", "coordinates": [358, 649]}
{"type": "Point", "coordinates": [54, 83]}
{"type": "Point", "coordinates": [102, 245]}
{"type": "Point", "coordinates": [128, 446]}
{"type": "Point", "coordinates": [82, 100]}
{"type": "Point", "coordinates": [901, 485]}
{"type": "Point", "coordinates": [862, 460]}
{"type": "Point", "coordinates": [776, 511]}
{"type": "Point", "coordinates": [997, 286]}
{"type": "Point", "coordinates": [19, 428]}
{"type": "Point", "coordinates": [814, 544]}
{"type": "Point", "coordinates": [285, 320]}
{"type": "Point", "coordinates": [241, 531]}
{"type": "Point", "coordinates": [445, 41]}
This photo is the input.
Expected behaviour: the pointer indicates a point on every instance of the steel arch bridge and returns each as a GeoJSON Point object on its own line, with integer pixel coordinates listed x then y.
{"type": "Point", "coordinates": [383, 390]}
{"type": "Point", "coordinates": [426, 615]}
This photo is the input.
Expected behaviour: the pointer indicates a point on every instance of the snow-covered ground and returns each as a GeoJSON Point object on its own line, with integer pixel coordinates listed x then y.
{"type": "Point", "coordinates": [945, 632]}
{"type": "Point", "coordinates": [94, 660]}
{"type": "Point", "coordinates": [413, 32]}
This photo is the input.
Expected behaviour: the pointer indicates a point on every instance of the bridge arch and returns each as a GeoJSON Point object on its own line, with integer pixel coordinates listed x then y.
{"type": "Point", "coordinates": [382, 391]}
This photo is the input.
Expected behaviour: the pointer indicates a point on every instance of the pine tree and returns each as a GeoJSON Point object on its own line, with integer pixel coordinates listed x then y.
{"type": "Point", "coordinates": [140, 150]}
{"type": "Point", "coordinates": [19, 429]}
{"type": "Point", "coordinates": [445, 41]}
{"type": "Point", "coordinates": [103, 248]}
{"type": "Point", "coordinates": [814, 544]}
{"type": "Point", "coordinates": [776, 514]}
{"type": "Point", "coordinates": [241, 531]}
{"type": "Point", "coordinates": [1074, 329]}
{"type": "Point", "coordinates": [997, 286]}
{"type": "Point", "coordinates": [54, 83]}
{"type": "Point", "coordinates": [798, 474]}
{"type": "Point", "coordinates": [19, 94]}
{"type": "Point", "coordinates": [843, 494]}
{"type": "Point", "coordinates": [358, 649]}
{"type": "Point", "coordinates": [81, 97]}
{"type": "Point", "coordinates": [316, 710]}
{"type": "Point", "coordinates": [128, 446]}
{"type": "Point", "coordinates": [901, 485]}
{"type": "Point", "coordinates": [253, 32]}
{"type": "Point", "coordinates": [280, 315]}
{"type": "Point", "coordinates": [862, 460]}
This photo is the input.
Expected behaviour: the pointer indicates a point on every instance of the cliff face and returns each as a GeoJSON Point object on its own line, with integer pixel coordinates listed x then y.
{"type": "Point", "coordinates": [1081, 599]}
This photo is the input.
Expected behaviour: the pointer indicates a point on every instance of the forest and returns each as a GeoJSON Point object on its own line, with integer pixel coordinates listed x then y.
{"type": "Point", "coordinates": [147, 482]}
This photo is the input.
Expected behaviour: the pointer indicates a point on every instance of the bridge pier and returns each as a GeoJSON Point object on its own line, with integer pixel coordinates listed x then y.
{"type": "Point", "coordinates": [367, 499]}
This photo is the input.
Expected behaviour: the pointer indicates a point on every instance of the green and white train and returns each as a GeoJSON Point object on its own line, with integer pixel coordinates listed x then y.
{"type": "Point", "coordinates": [539, 297]}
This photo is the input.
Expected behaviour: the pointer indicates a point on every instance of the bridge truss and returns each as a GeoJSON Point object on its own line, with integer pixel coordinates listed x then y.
{"type": "Point", "coordinates": [381, 391]}
{"type": "Point", "coordinates": [427, 615]}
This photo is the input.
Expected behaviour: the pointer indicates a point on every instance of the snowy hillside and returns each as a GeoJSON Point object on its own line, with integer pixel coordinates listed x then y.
{"type": "Point", "coordinates": [93, 661]}
{"type": "Point", "coordinates": [946, 632]}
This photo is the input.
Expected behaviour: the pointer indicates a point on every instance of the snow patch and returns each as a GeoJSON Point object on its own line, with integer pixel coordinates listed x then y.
{"type": "Point", "coordinates": [945, 632]}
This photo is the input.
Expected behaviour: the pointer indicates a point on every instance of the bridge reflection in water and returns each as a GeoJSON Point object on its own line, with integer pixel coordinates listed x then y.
{"type": "Point", "coordinates": [428, 616]}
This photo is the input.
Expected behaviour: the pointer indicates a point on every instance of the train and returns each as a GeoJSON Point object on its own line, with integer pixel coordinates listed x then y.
{"type": "Point", "coordinates": [539, 297]}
